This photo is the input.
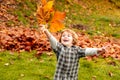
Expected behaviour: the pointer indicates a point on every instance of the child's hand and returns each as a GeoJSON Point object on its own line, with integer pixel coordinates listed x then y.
{"type": "Point", "coordinates": [101, 50]}
{"type": "Point", "coordinates": [42, 27]}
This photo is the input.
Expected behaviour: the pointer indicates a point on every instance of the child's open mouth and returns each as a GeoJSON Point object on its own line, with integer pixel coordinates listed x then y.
{"type": "Point", "coordinates": [65, 40]}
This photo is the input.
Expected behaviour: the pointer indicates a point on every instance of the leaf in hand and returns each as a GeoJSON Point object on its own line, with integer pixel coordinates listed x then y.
{"type": "Point", "coordinates": [48, 6]}
{"type": "Point", "coordinates": [44, 12]}
{"type": "Point", "coordinates": [57, 21]}
{"type": "Point", "coordinates": [43, 2]}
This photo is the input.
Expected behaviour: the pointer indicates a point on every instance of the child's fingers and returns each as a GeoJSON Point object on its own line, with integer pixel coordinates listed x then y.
{"type": "Point", "coordinates": [101, 50]}
{"type": "Point", "coordinates": [105, 47]}
{"type": "Point", "coordinates": [42, 25]}
{"type": "Point", "coordinates": [43, 28]}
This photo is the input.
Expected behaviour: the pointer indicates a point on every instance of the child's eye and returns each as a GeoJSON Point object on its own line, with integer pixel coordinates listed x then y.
{"type": "Point", "coordinates": [69, 35]}
{"type": "Point", "coordinates": [63, 35]}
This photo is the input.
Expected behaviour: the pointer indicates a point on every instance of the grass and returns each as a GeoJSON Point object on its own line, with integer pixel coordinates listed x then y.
{"type": "Point", "coordinates": [97, 16]}
{"type": "Point", "coordinates": [25, 66]}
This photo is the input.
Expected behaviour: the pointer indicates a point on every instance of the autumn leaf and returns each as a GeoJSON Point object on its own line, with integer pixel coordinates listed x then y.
{"type": "Point", "coordinates": [56, 26]}
{"type": "Point", "coordinates": [48, 6]}
{"type": "Point", "coordinates": [47, 15]}
{"type": "Point", "coordinates": [43, 2]}
{"type": "Point", "coordinates": [44, 11]}
{"type": "Point", "coordinates": [57, 21]}
{"type": "Point", "coordinates": [110, 74]}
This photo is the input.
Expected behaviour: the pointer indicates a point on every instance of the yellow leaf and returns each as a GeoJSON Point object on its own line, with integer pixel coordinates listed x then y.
{"type": "Point", "coordinates": [48, 6]}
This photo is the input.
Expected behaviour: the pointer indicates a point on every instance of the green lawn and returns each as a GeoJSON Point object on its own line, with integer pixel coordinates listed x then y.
{"type": "Point", "coordinates": [25, 66]}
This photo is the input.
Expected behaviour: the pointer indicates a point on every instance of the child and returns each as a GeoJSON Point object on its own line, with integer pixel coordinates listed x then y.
{"type": "Point", "coordinates": [68, 54]}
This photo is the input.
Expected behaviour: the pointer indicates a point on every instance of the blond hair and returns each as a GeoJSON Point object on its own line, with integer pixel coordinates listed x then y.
{"type": "Point", "coordinates": [74, 35]}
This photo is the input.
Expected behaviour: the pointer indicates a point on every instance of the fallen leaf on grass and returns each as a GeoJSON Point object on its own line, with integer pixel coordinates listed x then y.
{"type": "Point", "coordinates": [41, 60]}
{"type": "Point", "coordinates": [49, 53]}
{"type": "Point", "coordinates": [111, 63]}
{"type": "Point", "coordinates": [110, 74]}
{"type": "Point", "coordinates": [94, 78]}
{"type": "Point", "coordinates": [7, 64]}
{"type": "Point", "coordinates": [22, 75]}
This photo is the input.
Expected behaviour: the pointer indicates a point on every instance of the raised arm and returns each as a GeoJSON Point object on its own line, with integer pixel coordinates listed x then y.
{"type": "Point", "coordinates": [52, 39]}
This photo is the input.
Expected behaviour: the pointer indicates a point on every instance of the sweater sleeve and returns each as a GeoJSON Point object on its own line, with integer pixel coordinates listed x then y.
{"type": "Point", "coordinates": [90, 51]}
{"type": "Point", "coordinates": [82, 52]}
{"type": "Point", "coordinates": [53, 42]}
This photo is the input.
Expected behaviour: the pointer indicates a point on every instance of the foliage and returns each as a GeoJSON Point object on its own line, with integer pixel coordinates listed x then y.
{"type": "Point", "coordinates": [23, 39]}
{"type": "Point", "coordinates": [47, 15]}
{"type": "Point", "coordinates": [97, 18]}
{"type": "Point", "coordinates": [17, 13]}
{"type": "Point", "coordinates": [116, 2]}
{"type": "Point", "coordinates": [28, 39]}
{"type": "Point", "coordinates": [57, 22]}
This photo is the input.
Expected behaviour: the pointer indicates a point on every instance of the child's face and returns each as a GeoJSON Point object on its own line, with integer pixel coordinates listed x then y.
{"type": "Point", "coordinates": [67, 39]}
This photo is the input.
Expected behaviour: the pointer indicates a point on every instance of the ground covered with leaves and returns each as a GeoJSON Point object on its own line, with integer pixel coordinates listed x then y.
{"type": "Point", "coordinates": [28, 39]}
{"type": "Point", "coordinates": [16, 34]}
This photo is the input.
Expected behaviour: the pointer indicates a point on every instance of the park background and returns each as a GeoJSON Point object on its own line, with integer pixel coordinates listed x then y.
{"type": "Point", "coordinates": [25, 52]}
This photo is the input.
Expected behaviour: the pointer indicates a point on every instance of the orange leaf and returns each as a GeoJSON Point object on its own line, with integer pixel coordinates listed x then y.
{"type": "Point", "coordinates": [44, 12]}
{"type": "Point", "coordinates": [57, 21]}
{"type": "Point", "coordinates": [60, 16]}
{"type": "Point", "coordinates": [43, 2]}
{"type": "Point", "coordinates": [40, 15]}
{"type": "Point", "coordinates": [56, 26]}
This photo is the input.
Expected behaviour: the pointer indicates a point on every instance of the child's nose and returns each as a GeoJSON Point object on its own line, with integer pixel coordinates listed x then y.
{"type": "Point", "coordinates": [66, 36]}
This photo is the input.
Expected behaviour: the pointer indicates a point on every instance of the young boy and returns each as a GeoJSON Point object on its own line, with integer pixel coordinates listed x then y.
{"type": "Point", "coordinates": [68, 54]}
